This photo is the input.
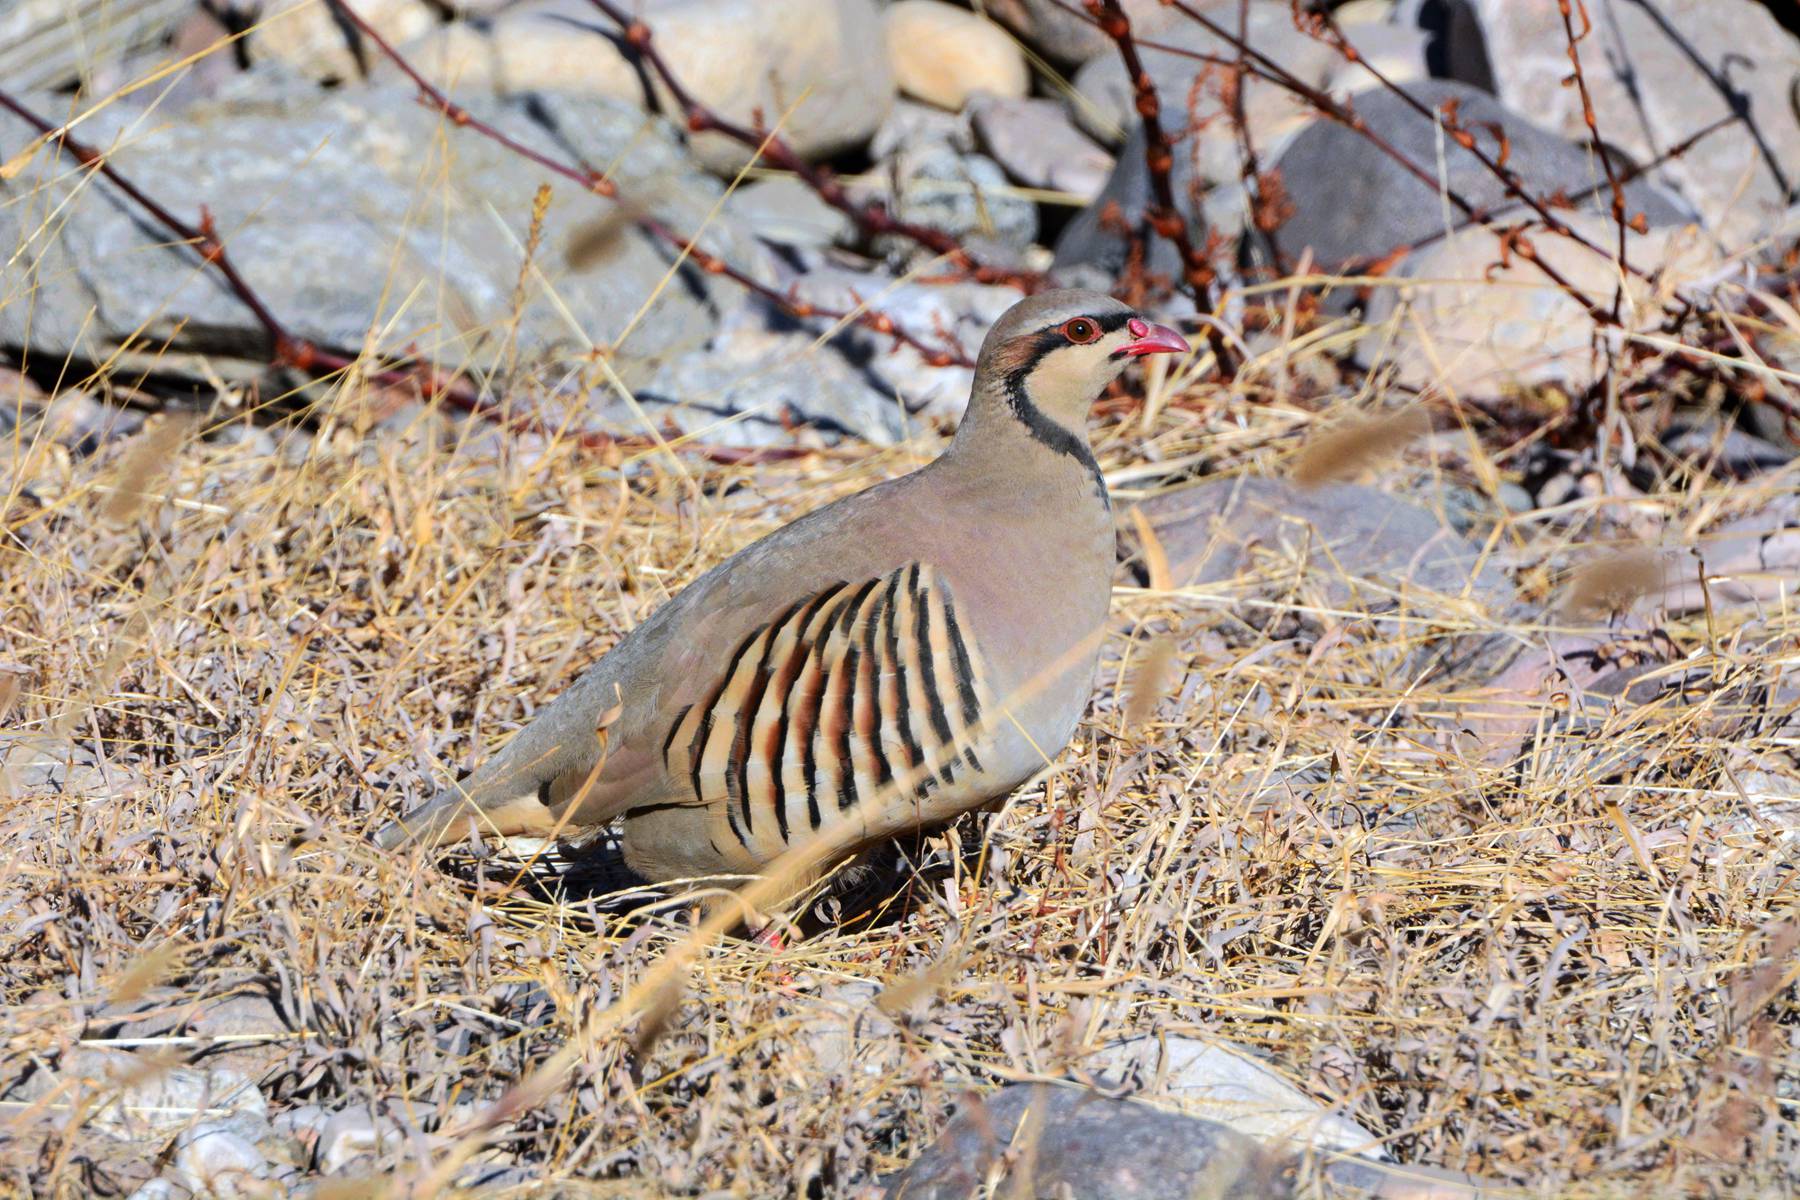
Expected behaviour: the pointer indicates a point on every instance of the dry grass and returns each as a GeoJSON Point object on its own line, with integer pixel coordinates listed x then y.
{"type": "Point", "coordinates": [244, 643]}
{"type": "Point", "coordinates": [1553, 968]}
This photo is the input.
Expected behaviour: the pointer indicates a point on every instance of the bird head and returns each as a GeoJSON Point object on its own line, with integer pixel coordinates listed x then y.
{"type": "Point", "coordinates": [1052, 354]}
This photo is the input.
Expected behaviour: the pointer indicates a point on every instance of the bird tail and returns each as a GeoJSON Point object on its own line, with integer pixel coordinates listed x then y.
{"type": "Point", "coordinates": [512, 793]}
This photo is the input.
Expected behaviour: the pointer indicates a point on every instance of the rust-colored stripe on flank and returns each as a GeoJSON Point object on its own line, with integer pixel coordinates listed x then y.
{"type": "Point", "coordinates": [840, 674]}
{"type": "Point", "coordinates": [697, 748]}
{"type": "Point", "coordinates": [803, 721]}
{"type": "Point", "coordinates": [871, 667]}
{"type": "Point", "coordinates": [934, 703]}
{"type": "Point", "coordinates": [774, 751]}
{"type": "Point", "coordinates": [738, 762]}
{"type": "Point", "coordinates": [909, 741]}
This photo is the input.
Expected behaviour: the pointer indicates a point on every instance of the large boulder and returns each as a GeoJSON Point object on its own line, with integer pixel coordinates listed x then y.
{"type": "Point", "coordinates": [1200, 116]}
{"type": "Point", "coordinates": [359, 218]}
{"type": "Point", "coordinates": [817, 68]}
{"type": "Point", "coordinates": [1658, 74]}
{"type": "Point", "coordinates": [1480, 321]}
{"type": "Point", "coordinates": [314, 42]}
{"type": "Point", "coordinates": [1078, 1142]}
{"type": "Point", "coordinates": [48, 43]}
{"type": "Point", "coordinates": [1190, 87]}
{"type": "Point", "coordinates": [1353, 203]}
{"type": "Point", "coordinates": [1066, 37]}
{"type": "Point", "coordinates": [1038, 145]}
{"type": "Point", "coordinates": [944, 55]}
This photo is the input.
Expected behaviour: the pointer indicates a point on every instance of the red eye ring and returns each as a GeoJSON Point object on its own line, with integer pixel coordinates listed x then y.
{"type": "Point", "coordinates": [1080, 330]}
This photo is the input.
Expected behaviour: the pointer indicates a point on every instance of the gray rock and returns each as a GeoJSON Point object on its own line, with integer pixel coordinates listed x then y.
{"type": "Point", "coordinates": [1037, 144]}
{"type": "Point", "coordinates": [1227, 1084]}
{"type": "Point", "coordinates": [46, 43]}
{"type": "Point", "coordinates": [818, 67]}
{"type": "Point", "coordinates": [1658, 73]}
{"type": "Point", "coordinates": [37, 765]}
{"type": "Point", "coordinates": [1728, 450]}
{"type": "Point", "coordinates": [215, 1159]}
{"type": "Point", "coordinates": [751, 385]}
{"type": "Point", "coordinates": [1364, 546]}
{"type": "Point", "coordinates": [132, 1104]}
{"type": "Point", "coordinates": [1352, 202]}
{"type": "Point", "coordinates": [911, 125]}
{"type": "Point", "coordinates": [245, 1032]}
{"type": "Point", "coordinates": [1083, 1144]}
{"type": "Point", "coordinates": [961, 311]}
{"type": "Point", "coordinates": [1094, 248]}
{"type": "Point", "coordinates": [965, 195]}
{"type": "Point", "coordinates": [335, 271]}
{"type": "Point", "coordinates": [1063, 36]}
{"type": "Point", "coordinates": [1481, 322]}
{"type": "Point", "coordinates": [1348, 547]}
{"type": "Point", "coordinates": [787, 212]}
{"type": "Point", "coordinates": [352, 1134]}
{"type": "Point", "coordinates": [1107, 103]}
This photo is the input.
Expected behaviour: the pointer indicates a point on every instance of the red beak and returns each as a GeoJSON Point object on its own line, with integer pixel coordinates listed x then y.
{"type": "Point", "coordinates": [1152, 339]}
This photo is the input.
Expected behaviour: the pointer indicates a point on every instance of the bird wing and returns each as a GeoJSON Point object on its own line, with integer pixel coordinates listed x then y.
{"type": "Point", "coordinates": [863, 702]}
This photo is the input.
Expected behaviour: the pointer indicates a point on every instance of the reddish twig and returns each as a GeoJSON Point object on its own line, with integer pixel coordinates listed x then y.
{"type": "Point", "coordinates": [1159, 157]}
{"type": "Point", "coordinates": [1265, 203]}
{"type": "Point", "coordinates": [1593, 127]}
{"type": "Point", "coordinates": [1274, 71]}
{"type": "Point", "coordinates": [311, 358]}
{"type": "Point", "coordinates": [1509, 180]}
{"type": "Point", "coordinates": [873, 219]}
{"type": "Point", "coordinates": [287, 349]}
{"type": "Point", "coordinates": [597, 183]}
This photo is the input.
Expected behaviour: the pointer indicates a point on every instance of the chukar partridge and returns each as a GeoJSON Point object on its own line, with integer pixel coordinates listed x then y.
{"type": "Point", "coordinates": [892, 660]}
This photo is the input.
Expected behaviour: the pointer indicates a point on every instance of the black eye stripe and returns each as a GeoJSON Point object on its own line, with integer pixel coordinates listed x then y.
{"type": "Point", "coordinates": [1046, 340]}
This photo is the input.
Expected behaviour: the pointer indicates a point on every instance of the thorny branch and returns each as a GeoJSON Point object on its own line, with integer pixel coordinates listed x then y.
{"type": "Point", "coordinates": [1593, 128]}
{"type": "Point", "coordinates": [593, 181]}
{"type": "Point", "coordinates": [287, 349]}
{"type": "Point", "coordinates": [1266, 67]}
{"type": "Point", "coordinates": [1159, 157]}
{"type": "Point", "coordinates": [1333, 35]}
{"type": "Point", "coordinates": [1266, 207]}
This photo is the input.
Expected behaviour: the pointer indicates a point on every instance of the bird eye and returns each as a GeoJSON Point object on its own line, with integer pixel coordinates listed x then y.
{"type": "Point", "coordinates": [1080, 330]}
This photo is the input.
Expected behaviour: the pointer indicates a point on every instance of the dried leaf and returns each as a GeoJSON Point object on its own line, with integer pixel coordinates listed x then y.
{"type": "Point", "coordinates": [899, 998]}
{"type": "Point", "coordinates": [1156, 559]}
{"type": "Point", "coordinates": [592, 242]}
{"type": "Point", "coordinates": [1150, 682]}
{"type": "Point", "coordinates": [148, 459]}
{"type": "Point", "coordinates": [150, 969]}
{"type": "Point", "coordinates": [18, 162]}
{"type": "Point", "coordinates": [1614, 582]}
{"type": "Point", "coordinates": [1345, 449]}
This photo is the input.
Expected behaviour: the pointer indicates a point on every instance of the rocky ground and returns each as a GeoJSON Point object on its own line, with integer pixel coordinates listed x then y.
{"type": "Point", "coordinates": [1433, 829]}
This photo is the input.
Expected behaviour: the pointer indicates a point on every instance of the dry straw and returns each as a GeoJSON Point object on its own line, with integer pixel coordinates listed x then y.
{"type": "Point", "coordinates": [1613, 582]}
{"type": "Point", "coordinates": [1353, 445]}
